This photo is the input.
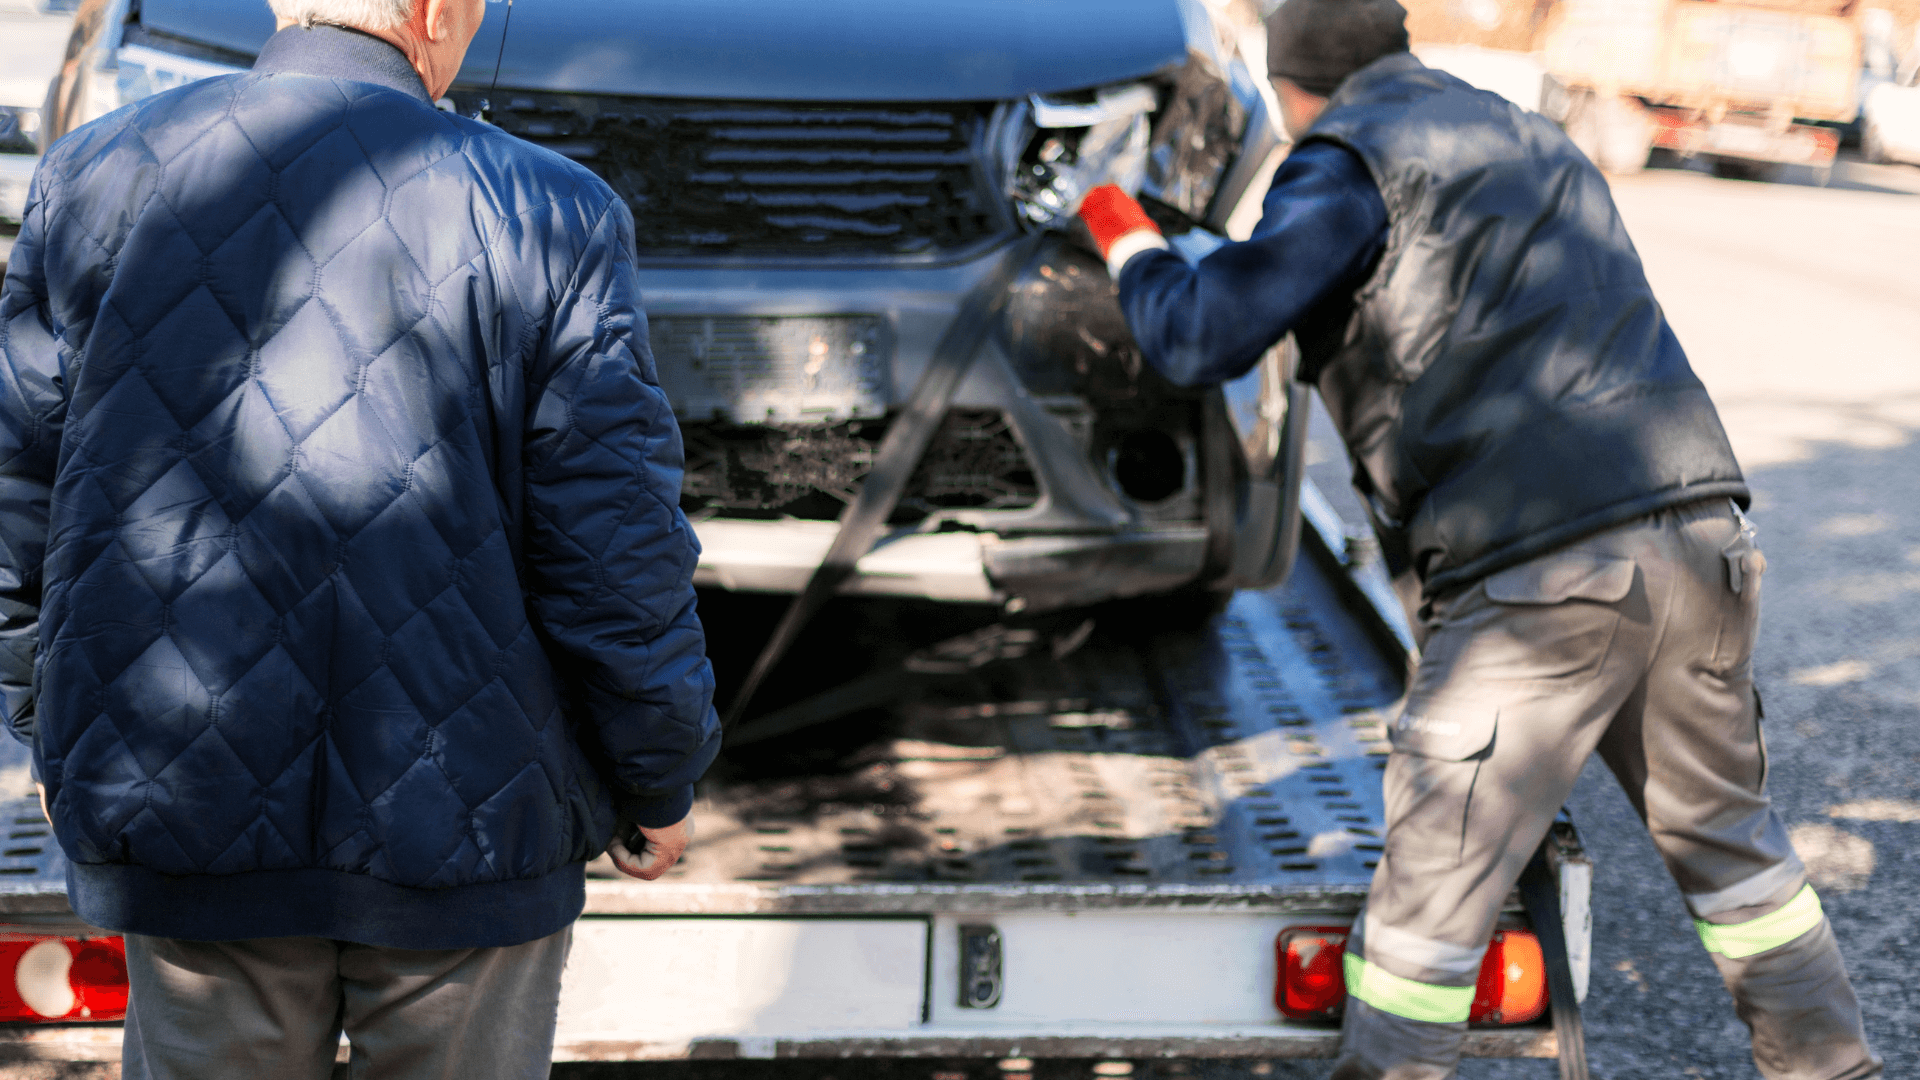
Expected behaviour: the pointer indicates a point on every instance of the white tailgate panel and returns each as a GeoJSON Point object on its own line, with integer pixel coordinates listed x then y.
{"type": "Point", "coordinates": [1163, 968]}
{"type": "Point", "coordinates": [661, 979]}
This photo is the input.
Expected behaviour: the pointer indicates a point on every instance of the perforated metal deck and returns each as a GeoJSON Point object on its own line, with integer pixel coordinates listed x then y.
{"type": "Point", "coordinates": [1234, 761]}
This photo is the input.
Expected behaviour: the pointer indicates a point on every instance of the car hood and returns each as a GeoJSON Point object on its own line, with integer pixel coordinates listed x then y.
{"type": "Point", "coordinates": [789, 50]}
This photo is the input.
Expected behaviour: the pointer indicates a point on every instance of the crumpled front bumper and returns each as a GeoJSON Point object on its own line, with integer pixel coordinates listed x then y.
{"type": "Point", "coordinates": [1043, 571]}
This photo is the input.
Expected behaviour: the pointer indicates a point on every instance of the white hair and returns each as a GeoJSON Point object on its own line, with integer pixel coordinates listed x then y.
{"type": "Point", "coordinates": [360, 14]}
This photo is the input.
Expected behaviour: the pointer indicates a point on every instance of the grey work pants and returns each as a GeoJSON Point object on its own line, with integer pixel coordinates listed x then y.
{"type": "Point", "coordinates": [1636, 642]}
{"type": "Point", "coordinates": [274, 1009]}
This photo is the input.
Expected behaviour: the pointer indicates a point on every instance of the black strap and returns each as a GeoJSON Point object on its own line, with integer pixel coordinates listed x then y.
{"type": "Point", "coordinates": [956, 656]}
{"type": "Point", "coordinates": [893, 465]}
{"type": "Point", "coordinates": [1540, 892]}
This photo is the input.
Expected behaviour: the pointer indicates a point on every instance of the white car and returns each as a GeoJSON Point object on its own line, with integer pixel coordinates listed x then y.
{"type": "Point", "coordinates": [1890, 117]}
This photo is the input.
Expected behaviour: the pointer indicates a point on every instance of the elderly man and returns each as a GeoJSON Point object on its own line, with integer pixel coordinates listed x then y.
{"type": "Point", "coordinates": [347, 598]}
{"type": "Point", "coordinates": [1539, 456]}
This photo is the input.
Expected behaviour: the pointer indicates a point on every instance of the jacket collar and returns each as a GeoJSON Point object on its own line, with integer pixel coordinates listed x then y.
{"type": "Point", "coordinates": [1358, 83]}
{"type": "Point", "coordinates": [336, 52]}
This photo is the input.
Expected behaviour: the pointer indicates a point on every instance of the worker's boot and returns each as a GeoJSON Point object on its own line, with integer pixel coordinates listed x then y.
{"type": "Point", "coordinates": [1796, 999]}
{"type": "Point", "coordinates": [1377, 1045]}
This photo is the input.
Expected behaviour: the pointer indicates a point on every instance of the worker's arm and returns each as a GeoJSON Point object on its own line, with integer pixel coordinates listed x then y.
{"type": "Point", "coordinates": [1322, 227]}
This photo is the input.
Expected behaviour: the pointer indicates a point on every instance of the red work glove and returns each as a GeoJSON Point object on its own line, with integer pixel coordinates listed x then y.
{"type": "Point", "coordinates": [1119, 226]}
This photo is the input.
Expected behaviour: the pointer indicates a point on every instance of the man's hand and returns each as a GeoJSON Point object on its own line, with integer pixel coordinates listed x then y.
{"type": "Point", "coordinates": [44, 812]}
{"type": "Point", "coordinates": [1120, 228]}
{"type": "Point", "coordinates": [659, 849]}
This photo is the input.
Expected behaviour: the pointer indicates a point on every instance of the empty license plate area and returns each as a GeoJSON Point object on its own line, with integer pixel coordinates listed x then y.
{"type": "Point", "coordinates": [665, 981]}
{"type": "Point", "coordinates": [774, 369]}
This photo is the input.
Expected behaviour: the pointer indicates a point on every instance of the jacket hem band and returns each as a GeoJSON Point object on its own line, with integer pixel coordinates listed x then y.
{"type": "Point", "coordinates": [317, 902]}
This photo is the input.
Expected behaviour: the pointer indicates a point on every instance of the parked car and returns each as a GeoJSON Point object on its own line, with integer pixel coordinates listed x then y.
{"type": "Point", "coordinates": [1890, 116]}
{"type": "Point", "coordinates": [36, 33]}
{"type": "Point", "coordinates": [817, 185]}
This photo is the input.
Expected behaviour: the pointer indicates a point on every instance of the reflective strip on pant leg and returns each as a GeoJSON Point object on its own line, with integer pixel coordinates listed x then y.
{"type": "Point", "coordinates": [1390, 993]}
{"type": "Point", "coordinates": [1789, 921]}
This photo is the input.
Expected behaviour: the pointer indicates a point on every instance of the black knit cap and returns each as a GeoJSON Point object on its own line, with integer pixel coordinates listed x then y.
{"type": "Point", "coordinates": [1317, 43]}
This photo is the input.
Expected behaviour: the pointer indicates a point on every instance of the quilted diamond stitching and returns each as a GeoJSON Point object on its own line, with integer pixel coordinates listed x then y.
{"type": "Point", "coordinates": [306, 469]}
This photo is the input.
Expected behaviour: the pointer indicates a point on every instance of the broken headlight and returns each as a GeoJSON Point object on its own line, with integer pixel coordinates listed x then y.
{"type": "Point", "coordinates": [1194, 153]}
{"type": "Point", "coordinates": [1061, 149]}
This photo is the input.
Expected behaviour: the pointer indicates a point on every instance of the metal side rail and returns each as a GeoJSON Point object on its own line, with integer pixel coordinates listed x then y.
{"type": "Point", "coordinates": [1546, 886]}
{"type": "Point", "coordinates": [1355, 551]}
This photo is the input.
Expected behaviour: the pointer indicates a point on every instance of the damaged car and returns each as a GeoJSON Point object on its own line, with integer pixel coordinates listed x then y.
{"type": "Point", "coordinates": [859, 263]}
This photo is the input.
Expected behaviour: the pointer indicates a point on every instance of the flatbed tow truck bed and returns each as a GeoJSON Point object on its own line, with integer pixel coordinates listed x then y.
{"type": "Point", "coordinates": [1060, 848]}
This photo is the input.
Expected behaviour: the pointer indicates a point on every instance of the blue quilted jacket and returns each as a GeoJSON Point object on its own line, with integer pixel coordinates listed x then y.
{"type": "Point", "coordinates": [344, 585]}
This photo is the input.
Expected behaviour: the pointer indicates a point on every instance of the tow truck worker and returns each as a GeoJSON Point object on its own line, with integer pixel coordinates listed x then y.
{"type": "Point", "coordinates": [1536, 451]}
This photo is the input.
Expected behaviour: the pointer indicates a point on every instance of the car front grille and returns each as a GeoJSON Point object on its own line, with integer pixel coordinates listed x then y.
{"type": "Point", "coordinates": [813, 470]}
{"type": "Point", "coordinates": [714, 178]}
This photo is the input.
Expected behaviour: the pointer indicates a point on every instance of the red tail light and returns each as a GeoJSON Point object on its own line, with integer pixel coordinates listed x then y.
{"type": "Point", "coordinates": [1513, 980]}
{"type": "Point", "coordinates": [1312, 985]}
{"type": "Point", "coordinates": [56, 978]}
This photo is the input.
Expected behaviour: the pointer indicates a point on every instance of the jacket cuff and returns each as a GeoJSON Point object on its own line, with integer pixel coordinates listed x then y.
{"type": "Point", "coordinates": [1132, 244]}
{"type": "Point", "coordinates": [656, 812]}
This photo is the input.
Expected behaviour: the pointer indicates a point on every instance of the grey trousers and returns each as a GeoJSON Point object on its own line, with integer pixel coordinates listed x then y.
{"type": "Point", "coordinates": [274, 1009]}
{"type": "Point", "coordinates": [1636, 643]}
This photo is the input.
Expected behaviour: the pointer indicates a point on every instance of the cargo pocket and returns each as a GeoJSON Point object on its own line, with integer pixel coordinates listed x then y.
{"type": "Point", "coordinates": [1550, 622]}
{"type": "Point", "coordinates": [1438, 748]}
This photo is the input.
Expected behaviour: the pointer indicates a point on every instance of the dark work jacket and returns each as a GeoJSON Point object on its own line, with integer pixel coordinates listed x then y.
{"type": "Point", "coordinates": [345, 586]}
{"type": "Point", "coordinates": [1506, 383]}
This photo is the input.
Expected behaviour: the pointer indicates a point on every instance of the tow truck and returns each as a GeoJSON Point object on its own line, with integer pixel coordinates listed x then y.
{"type": "Point", "coordinates": [1136, 831]}
{"type": "Point", "coordinates": [1059, 751]}
{"type": "Point", "coordinates": [1748, 85]}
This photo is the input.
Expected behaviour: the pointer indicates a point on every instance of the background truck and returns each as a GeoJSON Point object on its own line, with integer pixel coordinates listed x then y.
{"type": "Point", "coordinates": [1746, 84]}
{"type": "Point", "coordinates": [1735, 82]}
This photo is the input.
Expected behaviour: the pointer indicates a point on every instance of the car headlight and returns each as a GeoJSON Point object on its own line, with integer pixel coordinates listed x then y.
{"type": "Point", "coordinates": [1179, 145]}
{"type": "Point", "coordinates": [18, 125]}
{"type": "Point", "coordinates": [16, 176]}
{"type": "Point", "coordinates": [1068, 148]}
{"type": "Point", "coordinates": [139, 71]}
